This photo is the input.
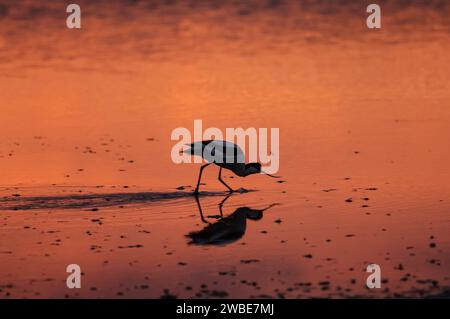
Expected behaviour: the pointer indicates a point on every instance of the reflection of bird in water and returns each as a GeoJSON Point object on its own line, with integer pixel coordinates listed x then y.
{"type": "Point", "coordinates": [228, 229]}
{"type": "Point", "coordinates": [225, 155]}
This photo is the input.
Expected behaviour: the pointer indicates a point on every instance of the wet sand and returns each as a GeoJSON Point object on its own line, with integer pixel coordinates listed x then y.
{"type": "Point", "coordinates": [87, 176]}
{"type": "Point", "coordinates": [316, 246]}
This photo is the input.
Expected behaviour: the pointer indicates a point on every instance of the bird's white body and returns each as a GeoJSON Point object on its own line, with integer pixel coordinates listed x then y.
{"type": "Point", "coordinates": [217, 151]}
{"type": "Point", "coordinates": [225, 155]}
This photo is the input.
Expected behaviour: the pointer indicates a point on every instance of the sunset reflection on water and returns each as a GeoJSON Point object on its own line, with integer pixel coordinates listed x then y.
{"type": "Point", "coordinates": [364, 135]}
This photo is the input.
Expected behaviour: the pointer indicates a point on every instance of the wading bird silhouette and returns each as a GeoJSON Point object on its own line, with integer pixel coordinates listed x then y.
{"type": "Point", "coordinates": [225, 155]}
{"type": "Point", "coordinates": [227, 229]}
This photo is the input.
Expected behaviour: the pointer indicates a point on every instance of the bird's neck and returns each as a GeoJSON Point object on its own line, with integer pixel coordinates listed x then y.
{"type": "Point", "coordinates": [240, 170]}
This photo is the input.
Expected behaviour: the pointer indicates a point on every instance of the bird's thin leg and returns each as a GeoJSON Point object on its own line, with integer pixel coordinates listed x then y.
{"type": "Point", "coordinates": [221, 180]}
{"type": "Point", "coordinates": [200, 177]}
{"type": "Point", "coordinates": [221, 204]}
{"type": "Point", "coordinates": [200, 209]}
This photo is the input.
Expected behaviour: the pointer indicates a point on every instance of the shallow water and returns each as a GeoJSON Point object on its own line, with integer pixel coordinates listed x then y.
{"type": "Point", "coordinates": [87, 176]}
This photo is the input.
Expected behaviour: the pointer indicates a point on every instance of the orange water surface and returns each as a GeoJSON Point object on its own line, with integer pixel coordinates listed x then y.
{"type": "Point", "coordinates": [85, 151]}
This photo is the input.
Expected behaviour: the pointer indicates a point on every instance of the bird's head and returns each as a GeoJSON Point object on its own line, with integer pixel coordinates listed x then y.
{"type": "Point", "coordinates": [252, 168]}
{"type": "Point", "coordinates": [254, 214]}
{"type": "Point", "coordinates": [257, 214]}
{"type": "Point", "coordinates": [250, 213]}
{"type": "Point", "coordinates": [255, 168]}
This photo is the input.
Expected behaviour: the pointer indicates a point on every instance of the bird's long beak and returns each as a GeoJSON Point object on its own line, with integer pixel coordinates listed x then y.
{"type": "Point", "coordinates": [270, 206]}
{"type": "Point", "coordinates": [274, 176]}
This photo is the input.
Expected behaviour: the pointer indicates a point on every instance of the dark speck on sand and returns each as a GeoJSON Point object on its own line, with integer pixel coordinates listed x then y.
{"type": "Point", "coordinates": [168, 295]}
{"type": "Point", "coordinates": [249, 261]}
{"type": "Point", "coordinates": [219, 294]}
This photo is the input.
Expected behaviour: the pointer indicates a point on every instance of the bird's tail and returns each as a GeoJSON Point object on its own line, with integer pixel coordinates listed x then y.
{"type": "Point", "coordinates": [195, 148]}
{"type": "Point", "coordinates": [187, 150]}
